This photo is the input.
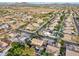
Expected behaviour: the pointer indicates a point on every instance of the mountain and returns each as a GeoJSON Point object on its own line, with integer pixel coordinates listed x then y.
{"type": "Point", "coordinates": [42, 4]}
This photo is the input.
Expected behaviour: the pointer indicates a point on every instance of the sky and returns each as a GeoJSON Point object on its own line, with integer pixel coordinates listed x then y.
{"type": "Point", "coordinates": [39, 0]}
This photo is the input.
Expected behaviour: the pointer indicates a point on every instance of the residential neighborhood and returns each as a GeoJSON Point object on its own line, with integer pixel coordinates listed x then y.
{"type": "Point", "coordinates": [39, 31]}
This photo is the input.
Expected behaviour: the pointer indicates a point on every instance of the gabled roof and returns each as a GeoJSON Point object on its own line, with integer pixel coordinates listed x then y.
{"type": "Point", "coordinates": [37, 42]}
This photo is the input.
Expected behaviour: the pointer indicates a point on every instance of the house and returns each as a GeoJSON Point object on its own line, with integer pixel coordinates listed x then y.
{"type": "Point", "coordinates": [2, 31]}
{"type": "Point", "coordinates": [2, 20]}
{"type": "Point", "coordinates": [37, 42]}
{"type": "Point", "coordinates": [47, 33]}
{"type": "Point", "coordinates": [71, 53]}
{"type": "Point", "coordinates": [51, 42]}
{"type": "Point", "coordinates": [35, 24]}
{"type": "Point", "coordinates": [39, 21]}
{"type": "Point", "coordinates": [8, 17]}
{"type": "Point", "coordinates": [67, 37]}
{"type": "Point", "coordinates": [68, 28]}
{"type": "Point", "coordinates": [68, 31]}
{"type": "Point", "coordinates": [29, 17]}
{"type": "Point", "coordinates": [51, 27]}
{"type": "Point", "coordinates": [22, 39]}
{"type": "Point", "coordinates": [4, 43]}
{"type": "Point", "coordinates": [30, 27]}
{"type": "Point", "coordinates": [53, 50]}
{"type": "Point", "coordinates": [4, 26]}
{"type": "Point", "coordinates": [12, 34]}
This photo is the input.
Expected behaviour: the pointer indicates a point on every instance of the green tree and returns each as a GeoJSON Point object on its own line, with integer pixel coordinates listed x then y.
{"type": "Point", "coordinates": [20, 50]}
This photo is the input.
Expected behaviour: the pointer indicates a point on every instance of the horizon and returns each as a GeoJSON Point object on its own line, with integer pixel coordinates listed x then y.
{"type": "Point", "coordinates": [44, 2]}
{"type": "Point", "coordinates": [47, 1]}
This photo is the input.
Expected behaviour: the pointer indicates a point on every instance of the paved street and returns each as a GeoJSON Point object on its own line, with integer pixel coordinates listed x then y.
{"type": "Point", "coordinates": [76, 23]}
{"type": "Point", "coordinates": [5, 51]}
